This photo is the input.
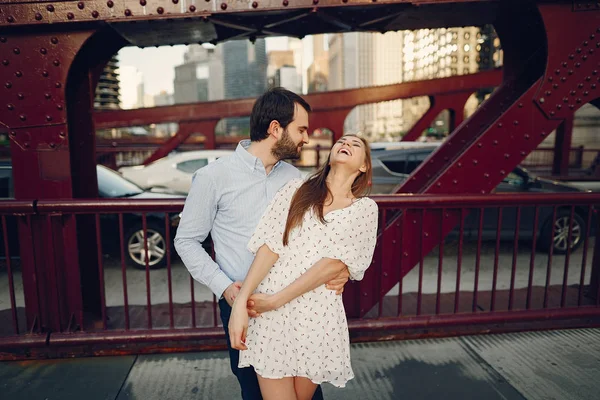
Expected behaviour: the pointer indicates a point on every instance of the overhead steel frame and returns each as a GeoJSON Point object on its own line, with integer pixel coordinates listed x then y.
{"type": "Point", "coordinates": [52, 54]}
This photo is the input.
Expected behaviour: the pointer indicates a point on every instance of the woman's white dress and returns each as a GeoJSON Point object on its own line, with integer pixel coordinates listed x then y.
{"type": "Point", "coordinates": [308, 336]}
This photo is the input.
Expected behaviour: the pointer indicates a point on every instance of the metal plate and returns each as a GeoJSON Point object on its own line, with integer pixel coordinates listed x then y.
{"type": "Point", "coordinates": [545, 365]}
{"type": "Point", "coordinates": [98, 378]}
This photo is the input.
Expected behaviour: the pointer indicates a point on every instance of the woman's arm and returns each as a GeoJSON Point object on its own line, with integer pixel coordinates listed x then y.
{"type": "Point", "coordinates": [238, 322]}
{"type": "Point", "coordinates": [320, 273]}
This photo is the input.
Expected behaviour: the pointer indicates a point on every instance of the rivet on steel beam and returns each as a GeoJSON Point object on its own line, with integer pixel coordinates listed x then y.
{"type": "Point", "coordinates": [507, 156]}
{"type": "Point", "coordinates": [585, 57]}
{"type": "Point", "coordinates": [526, 137]}
{"type": "Point", "coordinates": [56, 63]}
{"type": "Point", "coordinates": [563, 79]}
{"type": "Point", "coordinates": [48, 96]}
{"type": "Point", "coordinates": [523, 154]}
{"type": "Point", "coordinates": [495, 143]}
{"type": "Point", "coordinates": [459, 165]}
{"type": "Point", "coordinates": [20, 96]}
{"type": "Point", "coordinates": [565, 99]}
{"type": "Point", "coordinates": [5, 62]}
{"type": "Point", "coordinates": [555, 86]}
{"type": "Point", "coordinates": [500, 125]}
{"type": "Point", "coordinates": [110, 4]}
{"type": "Point", "coordinates": [475, 162]}
{"type": "Point", "coordinates": [502, 172]}
{"type": "Point", "coordinates": [54, 40]}
{"type": "Point", "coordinates": [128, 12]}
{"type": "Point", "coordinates": [175, 1]}
{"type": "Point", "coordinates": [405, 254]}
{"type": "Point", "coordinates": [542, 100]}
{"type": "Point", "coordinates": [455, 182]}
{"type": "Point", "coordinates": [10, 19]}
{"type": "Point", "coordinates": [43, 50]}
{"type": "Point", "coordinates": [48, 118]}
{"type": "Point", "coordinates": [577, 65]}
{"type": "Point", "coordinates": [192, 8]}
{"type": "Point", "coordinates": [95, 14]}
{"type": "Point", "coordinates": [45, 74]}
{"type": "Point", "coordinates": [564, 64]}
{"type": "Point", "coordinates": [22, 117]}
{"type": "Point", "coordinates": [254, 4]}
{"type": "Point", "coordinates": [592, 36]}
{"type": "Point", "coordinates": [80, 5]}
{"type": "Point", "coordinates": [70, 15]}
{"type": "Point", "coordinates": [385, 274]}
{"type": "Point", "coordinates": [59, 106]}
{"type": "Point", "coordinates": [18, 74]}
{"type": "Point", "coordinates": [52, 145]}
{"type": "Point", "coordinates": [223, 6]}
{"type": "Point", "coordinates": [486, 175]}
{"type": "Point", "coordinates": [160, 10]}
{"type": "Point", "coordinates": [13, 133]}
{"type": "Point", "coordinates": [286, 3]}
{"type": "Point", "coordinates": [61, 134]}
{"type": "Point", "coordinates": [480, 145]}
{"type": "Point", "coordinates": [58, 85]}
{"type": "Point", "coordinates": [571, 107]}
{"type": "Point", "coordinates": [10, 107]}
{"type": "Point", "coordinates": [50, 7]}
{"type": "Point", "coordinates": [558, 106]}
{"type": "Point", "coordinates": [548, 93]}
{"type": "Point", "coordinates": [520, 105]}
{"type": "Point", "coordinates": [593, 86]}
{"type": "Point", "coordinates": [438, 184]}
{"type": "Point", "coordinates": [578, 50]}
{"type": "Point", "coordinates": [38, 16]}
{"type": "Point", "coordinates": [571, 72]}
{"type": "Point", "coordinates": [2, 39]}
{"type": "Point", "coordinates": [143, 3]}
{"type": "Point", "coordinates": [557, 72]}
{"type": "Point", "coordinates": [580, 86]}
{"type": "Point", "coordinates": [552, 113]}
{"type": "Point", "coordinates": [572, 56]}
{"type": "Point", "coordinates": [16, 50]}
{"type": "Point", "coordinates": [585, 43]}
{"type": "Point", "coordinates": [315, 2]}
{"type": "Point", "coordinates": [26, 144]}
{"type": "Point", "coordinates": [586, 93]}
{"type": "Point", "coordinates": [8, 85]}
{"type": "Point", "coordinates": [515, 123]}
{"type": "Point", "coordinates": [588, 78]}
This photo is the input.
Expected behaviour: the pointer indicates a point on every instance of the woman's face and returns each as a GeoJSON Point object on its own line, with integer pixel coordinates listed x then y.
{"type": "Point", "coordinates": [350, 151]}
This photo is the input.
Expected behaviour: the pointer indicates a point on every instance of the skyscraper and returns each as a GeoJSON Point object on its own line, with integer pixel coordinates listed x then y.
{"type": "Point", "coordinates": [107, 91]}
{"type": "Point", "coordinates": [245, 75]}
{"type": "Point", "coordinates": [200, 77]}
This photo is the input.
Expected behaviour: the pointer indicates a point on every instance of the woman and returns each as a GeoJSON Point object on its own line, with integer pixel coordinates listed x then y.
{"type": "Point", "coordinates": [308, 234]}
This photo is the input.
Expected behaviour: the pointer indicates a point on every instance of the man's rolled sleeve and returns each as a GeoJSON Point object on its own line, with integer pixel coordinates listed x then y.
{"type": "Point", "coordinates": [196, 223]}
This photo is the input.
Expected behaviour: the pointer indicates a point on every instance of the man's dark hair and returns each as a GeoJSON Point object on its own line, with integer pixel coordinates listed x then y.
{"type": "Point", "coordinates": [276, 104]}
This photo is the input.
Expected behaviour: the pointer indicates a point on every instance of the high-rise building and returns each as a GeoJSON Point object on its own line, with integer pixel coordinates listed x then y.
{"type": "Point", "coordinates": [317, 73]}
{"type": "Point", "coordinates": [107, 91]}
{"type": "Point", "coordinates": [287, 77]}
{"type": "Point", "coordinates": [200, 77]}
{"type": "Point", "coordinates": [245, 75]}
{"type": "Point", "coordinates": [439, 53]}
{"type": "Point", "coordinates": [359, 59]}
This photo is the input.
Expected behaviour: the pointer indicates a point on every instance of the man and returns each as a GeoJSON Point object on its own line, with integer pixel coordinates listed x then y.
{"type": "Point", "coordinates": [227, 199]}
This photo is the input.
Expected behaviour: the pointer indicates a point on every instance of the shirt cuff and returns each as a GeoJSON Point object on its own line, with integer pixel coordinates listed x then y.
{"type": "Point", "coordinates": [219, 284]}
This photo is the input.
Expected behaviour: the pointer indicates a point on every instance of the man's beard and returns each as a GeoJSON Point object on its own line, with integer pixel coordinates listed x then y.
{"type": "Point", "coordinates": [285, 148]}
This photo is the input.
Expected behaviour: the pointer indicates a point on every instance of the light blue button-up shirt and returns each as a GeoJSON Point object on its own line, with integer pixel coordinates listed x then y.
{"type": "Point", "coordinates": [227, 199]}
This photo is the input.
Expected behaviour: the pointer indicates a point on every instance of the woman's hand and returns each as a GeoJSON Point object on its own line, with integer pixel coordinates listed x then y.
{"type": "Point", "coordinates": [260, 303]}
{"type": "Point", "coordinates": [238, 326]}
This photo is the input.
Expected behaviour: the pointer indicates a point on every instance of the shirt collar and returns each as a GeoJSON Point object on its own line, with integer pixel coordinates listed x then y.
{"type": "Point", "coordinates": [252, 162]}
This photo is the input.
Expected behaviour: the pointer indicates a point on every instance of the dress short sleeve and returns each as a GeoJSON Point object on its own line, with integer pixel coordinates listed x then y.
{"type": "Point", "coordinates": [271, 226]}
{"type": "Point", "coordinates": [355, 245]}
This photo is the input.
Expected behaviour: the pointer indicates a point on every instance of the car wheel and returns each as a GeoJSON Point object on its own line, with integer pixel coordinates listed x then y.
{"type": "Point", "coordinates": [157, 246]}
{"type": "Point", "coordinates": [559, 232]}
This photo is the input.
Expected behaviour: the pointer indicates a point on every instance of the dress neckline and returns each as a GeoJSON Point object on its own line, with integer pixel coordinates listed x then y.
{"type": "Point", "coordinates": [354, 201]}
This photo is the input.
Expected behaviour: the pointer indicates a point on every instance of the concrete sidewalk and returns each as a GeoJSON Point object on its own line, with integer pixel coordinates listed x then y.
{"type": "Point", "coordinates": [531, 365]}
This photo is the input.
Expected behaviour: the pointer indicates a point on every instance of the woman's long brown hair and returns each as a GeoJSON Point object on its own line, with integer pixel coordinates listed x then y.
{"type": "Point", "coordinates": [313, 193]}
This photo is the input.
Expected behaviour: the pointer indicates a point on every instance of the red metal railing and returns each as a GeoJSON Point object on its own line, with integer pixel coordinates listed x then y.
{"type": "Point", "coordinates": [485, 272]}
{"type": "Point", "coordinates": [579, 157]}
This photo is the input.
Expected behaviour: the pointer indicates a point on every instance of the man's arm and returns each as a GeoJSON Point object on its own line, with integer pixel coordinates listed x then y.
{"type": "Point", "coordinates": [321, 272]}
{"type": "Point", "coordinates": [196, 223]}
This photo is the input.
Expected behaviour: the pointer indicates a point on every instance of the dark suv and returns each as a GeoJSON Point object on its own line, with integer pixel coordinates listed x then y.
{"type": "Point", "coordinates": [392, 165]}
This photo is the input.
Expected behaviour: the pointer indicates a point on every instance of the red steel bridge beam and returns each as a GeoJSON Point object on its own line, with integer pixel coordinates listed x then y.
{"type": "Point", "coordinates": [552, 66]}
{"type": "Point", "coordinates": [330, 109]}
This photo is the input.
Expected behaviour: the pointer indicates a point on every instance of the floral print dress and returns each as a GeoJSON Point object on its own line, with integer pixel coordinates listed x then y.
{"type": "Point", "coordinates": [308, 336]}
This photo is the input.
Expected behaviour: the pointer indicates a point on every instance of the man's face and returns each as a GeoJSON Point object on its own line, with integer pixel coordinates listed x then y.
{"type": "Point", "coordinates": [293, 137]}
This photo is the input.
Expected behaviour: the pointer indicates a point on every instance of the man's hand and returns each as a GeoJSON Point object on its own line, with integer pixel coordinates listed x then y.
{"type": "Point", "coordinates": [339, 281]}
{"type": "Point", "coordinates": [231, 292]}
{"type": "Point", "coordinates": [260, 303]}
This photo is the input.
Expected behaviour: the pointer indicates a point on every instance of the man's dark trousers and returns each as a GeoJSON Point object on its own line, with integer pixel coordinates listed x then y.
{"type": "Point", "coordinates": [246, 376]}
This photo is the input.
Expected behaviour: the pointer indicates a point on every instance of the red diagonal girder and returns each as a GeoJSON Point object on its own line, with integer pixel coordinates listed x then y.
{"type": "Point", "coordinates": [485, 148]}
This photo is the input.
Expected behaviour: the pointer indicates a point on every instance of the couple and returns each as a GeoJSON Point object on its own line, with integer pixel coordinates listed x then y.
{"type": "Point", "coordinates": [287, 266]}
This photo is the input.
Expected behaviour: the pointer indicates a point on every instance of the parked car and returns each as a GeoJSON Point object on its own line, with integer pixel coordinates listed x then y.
{"type": "Point", "coordinates": [112, 185]}
{"type": "Point", "coordinates": [393, 165]}
{"type": "Point", "coordinates": [173, 172]}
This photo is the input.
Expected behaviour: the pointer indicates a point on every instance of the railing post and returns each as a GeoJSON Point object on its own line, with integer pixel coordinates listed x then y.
{"type": "Point", "coordinates": [593, 291]}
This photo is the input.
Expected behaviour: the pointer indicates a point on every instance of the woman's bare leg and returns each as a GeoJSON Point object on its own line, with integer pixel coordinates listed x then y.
{"type": "Point", "coordinates": [277, 389]}
{"type": "Point", "coordinates": [305, 388]}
